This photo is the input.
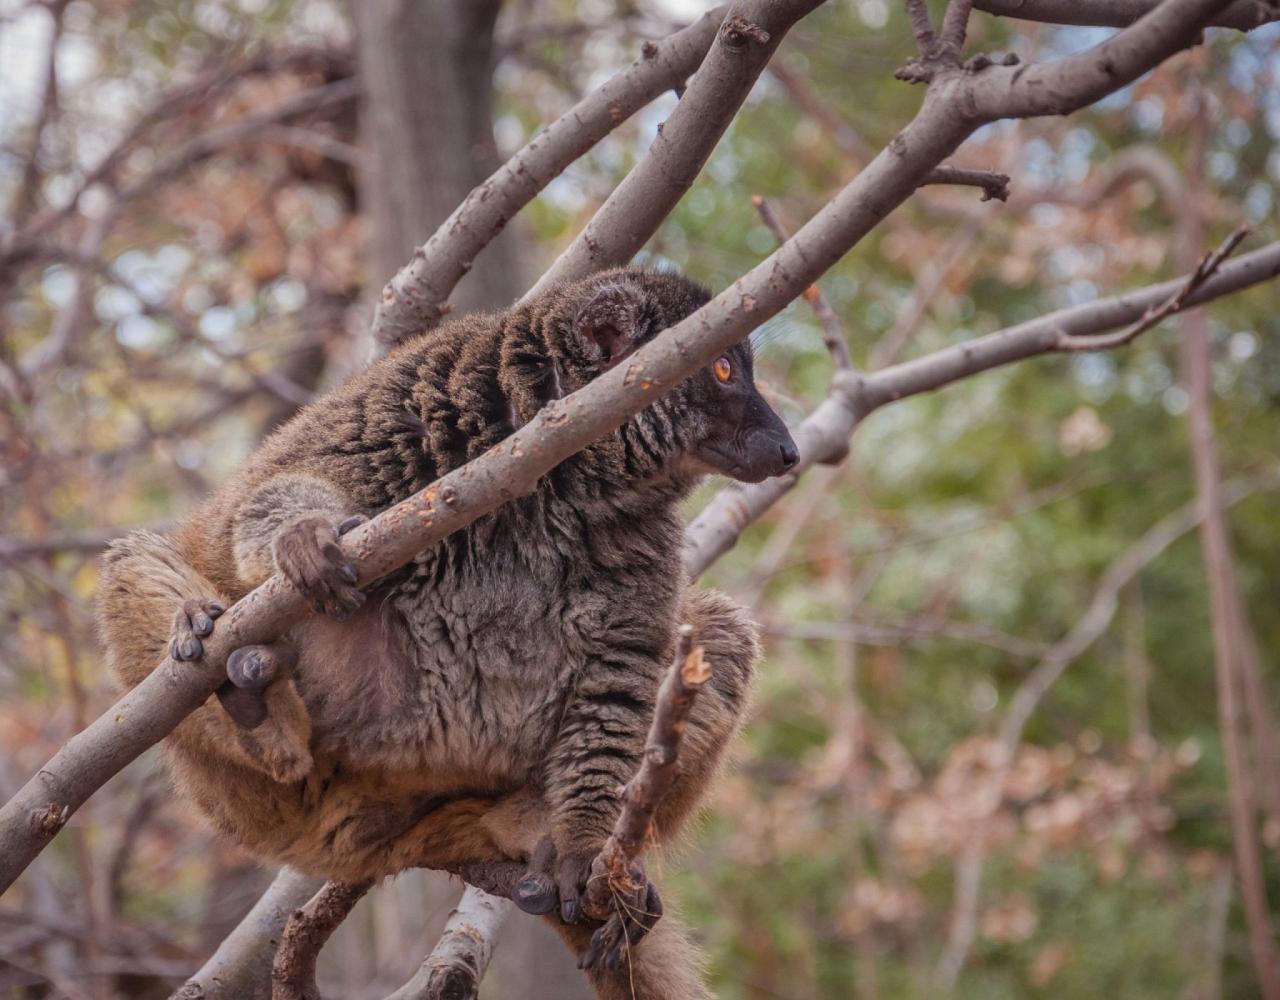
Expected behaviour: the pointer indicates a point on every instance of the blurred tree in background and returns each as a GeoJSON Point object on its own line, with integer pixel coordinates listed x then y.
{"type": "Point", "coordinates": [192, 243]}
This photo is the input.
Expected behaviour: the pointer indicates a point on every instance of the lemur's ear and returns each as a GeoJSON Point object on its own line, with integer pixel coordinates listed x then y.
{"type": "Point", "coordinates": [611, 324]}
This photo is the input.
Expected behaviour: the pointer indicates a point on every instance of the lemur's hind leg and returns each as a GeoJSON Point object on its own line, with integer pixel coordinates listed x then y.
{"type": "Point", "coordinates": [144, 578]}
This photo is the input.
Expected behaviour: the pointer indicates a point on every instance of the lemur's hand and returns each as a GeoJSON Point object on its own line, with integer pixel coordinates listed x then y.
{"type": "Point", "coordinates": [308, 554]}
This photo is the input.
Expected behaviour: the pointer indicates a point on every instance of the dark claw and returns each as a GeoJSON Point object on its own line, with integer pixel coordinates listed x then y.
{"type": "Point", "coordinates": [202, 625]}
{"type": "Point", "coordinates": [214, 609]}
{"type": "Point", "coordinates": [348, 573]}
{"type": "Point", "coordinates": [190, 649]}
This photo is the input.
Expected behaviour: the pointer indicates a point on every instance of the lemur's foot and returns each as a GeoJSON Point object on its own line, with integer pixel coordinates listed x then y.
{"type": "Point", "coordinates": [254, 667]}
{"type": "Point", "coordinates": [308, 554]}
{"type": "Point", "coordinates": [246, 706]}
{"type": "Point", "coordinates": [562, 880]}
{"type": "Point", "coordinates": [634, 915]}
{"type": "Point", "coordinates": [249, 670]}
{"type": "Point", "coordinates": [193, 622]}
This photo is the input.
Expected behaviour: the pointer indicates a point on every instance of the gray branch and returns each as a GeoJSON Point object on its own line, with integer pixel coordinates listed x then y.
{"type": "Point", "coordinates": [1243, 15]}
{"type": "Point", "coordinates": [416, 297]}
{"type": "Point", "coordinates": [1073, 82]}
{"type": "Point", "coordinates": [751, 32]}
{"type": "Point", "coordinates": [823, 436]}
{"type": "Point", "coordinates": [241, 967]}
{"type": "Point", "coordinates": [456, 965]}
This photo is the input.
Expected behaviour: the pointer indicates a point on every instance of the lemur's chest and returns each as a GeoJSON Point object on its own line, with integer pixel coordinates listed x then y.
{"type": "Point", "coordinates": [473, 654]}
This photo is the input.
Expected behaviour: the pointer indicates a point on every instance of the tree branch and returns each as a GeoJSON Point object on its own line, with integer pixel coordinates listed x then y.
{"type": "Point", "coordinates": [993, 185]}
{"type": "Point", "coordinates": [1242, 15]}
{"type": "Point", "coordinates": [751, 32]}
{"type": "Point", "coordinates": [1073, 82]}
{"type": "Point", "coordinates": [241, 967]}
{"type": "Point", "coordinates": [1175, 303]}
{"type": "Point", "coordinates": [293, 975]}
{"type": "Point", "coordinates": [1044, 334]}
{"type": "Point", "coordinates": [823, 436]}
{"type": "Point", "coordinates": [633, 830]}
{"type": "Point", "coordinates": [416, 297]}
{"type": "Point", "coordinates": [833, 334]}
{"type": "Point", "coordinates": [455, 967]}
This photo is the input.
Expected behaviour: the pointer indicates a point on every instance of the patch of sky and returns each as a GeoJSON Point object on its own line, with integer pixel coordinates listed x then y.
{"type": "Point", "coordinates": [1242, 345]}
{"type": "Point", "coordinates": [1080, 292]}
{"type": "Point", "coordinates": [874, 13]}
{"type": "Point", "coordinates": [701, 202]}
{"type": "Point", "coordinates": [1095, 373]}
{"type": "Point", "coordinates": [58, 285]}
{"type": "Point", "coordinates": [113, 303]}
{"type": "Point", "coordinates": [140, 332]}
{"type": "Point", "coordinates": [1175, 400]}
{"type": "Point", "coordinates": [217, 322]}
{"type": "Point", "coordinates": [1259, 201]}
{"type": "Point", "coordinates": [1148, 114]}
{"type": "Point", "coordinates": [1222, 165]}
{"type": "Point", "coordinates": [286, 295]}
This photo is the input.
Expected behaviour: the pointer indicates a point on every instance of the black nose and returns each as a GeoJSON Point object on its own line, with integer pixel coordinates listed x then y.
{"type": "Point", "coordinates": [790, 456]}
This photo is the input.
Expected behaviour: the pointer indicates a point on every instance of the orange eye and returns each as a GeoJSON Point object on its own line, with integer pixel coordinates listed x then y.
{"type": "Point", "coordinates": [723, 370]}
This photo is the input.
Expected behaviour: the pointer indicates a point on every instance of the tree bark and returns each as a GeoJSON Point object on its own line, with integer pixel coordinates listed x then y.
{"type": "Point", "coordinates": [426, 70]}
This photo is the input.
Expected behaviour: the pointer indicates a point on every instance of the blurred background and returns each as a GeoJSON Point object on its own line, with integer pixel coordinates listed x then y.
{"type": "Point", "coordinates": [200, 200]}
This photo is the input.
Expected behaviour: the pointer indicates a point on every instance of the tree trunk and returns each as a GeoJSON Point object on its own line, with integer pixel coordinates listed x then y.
{"type": "Point", "coordinates": [426, 69]}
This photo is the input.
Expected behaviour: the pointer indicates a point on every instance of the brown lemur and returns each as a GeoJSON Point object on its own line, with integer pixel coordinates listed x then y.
{"type": "Point", "coordinates": [489, 701]}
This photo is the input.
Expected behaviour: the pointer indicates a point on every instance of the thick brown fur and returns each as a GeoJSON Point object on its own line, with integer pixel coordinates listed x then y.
{"type": "Point", "coordinates": [498, 690]}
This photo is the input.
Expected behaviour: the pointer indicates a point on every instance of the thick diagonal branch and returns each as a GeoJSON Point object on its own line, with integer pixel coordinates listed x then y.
{"type": "Point", "coordinates": [241, 967]}
{"type": "Point", "coordinates": [1243, 15]}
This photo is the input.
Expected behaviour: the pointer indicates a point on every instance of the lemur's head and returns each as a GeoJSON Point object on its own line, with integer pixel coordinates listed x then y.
{"type": "Point", "coordinates": [715, 420]}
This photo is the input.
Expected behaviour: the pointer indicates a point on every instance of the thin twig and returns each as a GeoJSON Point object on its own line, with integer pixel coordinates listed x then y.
{"type": "Point", "coordinates": [1177, 302]}
{"type": "Point", "coordinates": [955, 24]}
{"type": "Point", "coordinates": [833, 334]}
{"type": "Point", "coordinates": [993, 185]}
{"type": "Point", "coordinates": [922, 28]}
{"type": "Point", "coordinates": [633, 830]}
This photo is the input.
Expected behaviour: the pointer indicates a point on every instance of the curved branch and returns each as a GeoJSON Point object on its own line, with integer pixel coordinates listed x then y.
{"type": "Point", "coordinates": [293, 976]}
